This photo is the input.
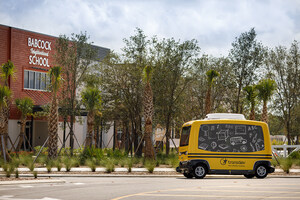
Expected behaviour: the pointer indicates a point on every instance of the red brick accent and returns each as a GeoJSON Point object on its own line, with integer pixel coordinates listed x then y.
{"type": "Point", "coordinates": [14, 47]}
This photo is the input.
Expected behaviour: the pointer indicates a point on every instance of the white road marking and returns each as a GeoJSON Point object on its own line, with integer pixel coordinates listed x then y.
{"type": "Point", "coordinates": [26, 186]}
{"type": "Point", "coordinates": [79, 183]}
{"type": "Point", "coordinates": [11, 197]}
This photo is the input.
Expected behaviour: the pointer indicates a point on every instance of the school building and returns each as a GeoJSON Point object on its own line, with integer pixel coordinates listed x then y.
{"type": "Point", "coordinates": [33, 55]}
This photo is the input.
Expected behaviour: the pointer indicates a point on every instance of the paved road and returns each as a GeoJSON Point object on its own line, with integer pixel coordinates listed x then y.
{"type": "Point", "coordinates": [90, 188]}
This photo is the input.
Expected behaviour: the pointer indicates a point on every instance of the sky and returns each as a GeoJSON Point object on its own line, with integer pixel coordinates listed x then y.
{"type": "Point", "coordinates": [213, 23]}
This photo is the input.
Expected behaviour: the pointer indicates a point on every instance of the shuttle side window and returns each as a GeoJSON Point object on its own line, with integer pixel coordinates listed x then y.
{"type": "Point", "coordinates": [185, 135]}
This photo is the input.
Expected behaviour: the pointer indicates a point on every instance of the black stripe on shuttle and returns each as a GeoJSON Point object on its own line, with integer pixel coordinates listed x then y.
{"type": "Point", "coordinates": [219, 154]}
{"type": "Point", "coordinates": [248, 157]}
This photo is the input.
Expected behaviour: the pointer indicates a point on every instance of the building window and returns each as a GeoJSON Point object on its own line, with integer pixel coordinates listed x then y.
{"type": "Point", "coordinates": [36, 80]}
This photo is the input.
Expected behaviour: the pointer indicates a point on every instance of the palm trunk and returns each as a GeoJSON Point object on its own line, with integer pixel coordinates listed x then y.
{"type": "Point", "coordinates": [6, 110]}
{"type": "Point", "coordinates": [148, 114]}
{"type": "Point", "coordinates": [208, 101]}
{"type": "Point", "coordinates": [53, 129]}
{"type": "Point", "coordinates": [252, 113]}
{"type": "Point", "coordinates": [264, 116]}
{"type": "Point", "coordinates": [3, 131]}
{"type": "Point", "coordinates": [22, 134]}
{"type": "Point", "coordinates": [149, 149]}
{"type": "Point", "coordinates": [90, 126]}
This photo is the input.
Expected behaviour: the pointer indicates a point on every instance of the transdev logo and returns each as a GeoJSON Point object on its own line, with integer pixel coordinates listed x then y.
{"type": "Point", "coordinates": [223, 161]}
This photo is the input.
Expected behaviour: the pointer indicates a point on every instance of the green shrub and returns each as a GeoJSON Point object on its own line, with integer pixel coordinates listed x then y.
{"type": "Point", "coordinates": [49, 165]}
{"type": "Point", "coordinates": [115, 161]}
{"type": "Point", "coordinates": [58, 164]}
{"type": "Point", "coordinates": [44, 151]}
{"type": "Point", "coordinates": [136, 160]}
{"type": "Point", "coordinates": [15, 161]}
{"type": "Point", "coordinates": [129, 164]}
{"type": "Point", "coordinates": [286, 164]}
{"type": "Point", "coordinates": [295, 155]}
{"type": "Point", "coordinates": [109, 167]}
{"type": "Point", "coordinates": [150, 165]}
{"type": "Point", "coordinates": [91, 163]}
{"type": "Point", "coordinates": [8, 168]}
{"type": "Point", "coordinates": [174, 162]}
{"type": "Point", "coordinates": [274, 162]}
{"type": "Point", "coordinates": [34, 174]}
{"type": "Point", "coordinates": [42, 159]}
{"type": "Point", "coordinates": [69, 163]}
{"type": "Point", "coordinates": [122, 162]}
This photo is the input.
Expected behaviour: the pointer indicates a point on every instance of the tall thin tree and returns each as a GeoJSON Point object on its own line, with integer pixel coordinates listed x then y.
{"type": "Point", "coordinates": [25, 106]}
{"type": "Point", "coordinates": [55, 77]}
{"type": "Point", "coordinates": [266, 88]}
{"type": "Point", "coordinates": [148, 113]}
{"type": "Point", "coordinates": [7, 71]}
{"type": "Point", "coordinates": [211, 75]}
{"type": "Point", "coordinates": [92, 100]}
{"type": "Point", "coordinates": [5, 93]}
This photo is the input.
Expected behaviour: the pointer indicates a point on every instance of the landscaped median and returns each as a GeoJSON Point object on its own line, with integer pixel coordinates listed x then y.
{"type": "Point", "coordinates": [106, 162]}
{"type": "Point", "coordinates": [85, 171]}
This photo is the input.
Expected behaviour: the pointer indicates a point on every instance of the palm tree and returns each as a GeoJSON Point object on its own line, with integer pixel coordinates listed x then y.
{"type": "Point", "coordinates": [92, 100]}
{"type": "Point", "coordinates": [211, 75]}
{"type": "Point", "coordinates": [55, 77]}
{"type": "Point", "coordinates": [251, 94]}
{"type": "Point", "coordinates": [7, 71]}
{"type": "Point", "coordinates": [24, 105]}
{"type": "Point", "coordinates": [266, 88]}
{"type": "Point", "coordinates": [148, 113]}
{"type": "Point", "coordinates": [4, 95]}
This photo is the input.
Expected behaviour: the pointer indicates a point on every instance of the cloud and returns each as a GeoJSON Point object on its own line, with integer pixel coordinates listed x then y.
{"type": "Point", "coordinates": [215, 24]}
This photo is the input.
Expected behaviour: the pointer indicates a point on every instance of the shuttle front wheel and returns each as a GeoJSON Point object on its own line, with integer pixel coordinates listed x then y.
{"type": "Point", "coordinates": [200, 171]}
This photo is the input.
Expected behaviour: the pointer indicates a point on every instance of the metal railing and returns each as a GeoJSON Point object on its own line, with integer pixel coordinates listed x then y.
{"type": "Point", "coordinates": [282, 150]}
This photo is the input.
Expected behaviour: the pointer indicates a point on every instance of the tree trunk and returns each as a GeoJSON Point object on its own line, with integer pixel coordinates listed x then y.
{"type": "Point", "coordinates": [264, 116]}
{"type": "Point", "coordinates": [101, 130]}
{"type": "Point", "coordinates": [123, 138]}
{"type": "Point", "coordinates": [149, 150]}
{"type": "Point", "coordinates": [208, 101]}
{"type": "Point", "coordinates": [53, 128]}
{"type": "Point", "coordinates": [115, 135]}
{"type": "Point", "coordinates": [252, 113]}
{"type": "Point", "coordinates": [6, 110]}
{"type": "Point", "coordinates": [3, 147]}
{"type": "Point", "coordinates": [90, 127]}
{"type": "Point", "coordinates": [22, 134]}
{"type": "Point", "coordinates": [238, 96]}
{"type": "Point", "coordinates": [168, 136]}
{"type": "Point", "coordinates": [138, 139]}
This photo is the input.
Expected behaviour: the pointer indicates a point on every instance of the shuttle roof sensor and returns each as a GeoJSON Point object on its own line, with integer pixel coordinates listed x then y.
{"type": "Point", "coordinates": [213, 116]}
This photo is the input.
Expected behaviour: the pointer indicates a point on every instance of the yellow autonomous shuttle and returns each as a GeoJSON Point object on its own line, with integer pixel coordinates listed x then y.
{"type": "Point", "coordinates": [225, 144]}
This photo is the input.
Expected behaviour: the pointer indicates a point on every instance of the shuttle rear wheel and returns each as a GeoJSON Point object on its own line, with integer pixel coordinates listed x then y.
{"type": "Point", "coordinates": [261, 171]}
